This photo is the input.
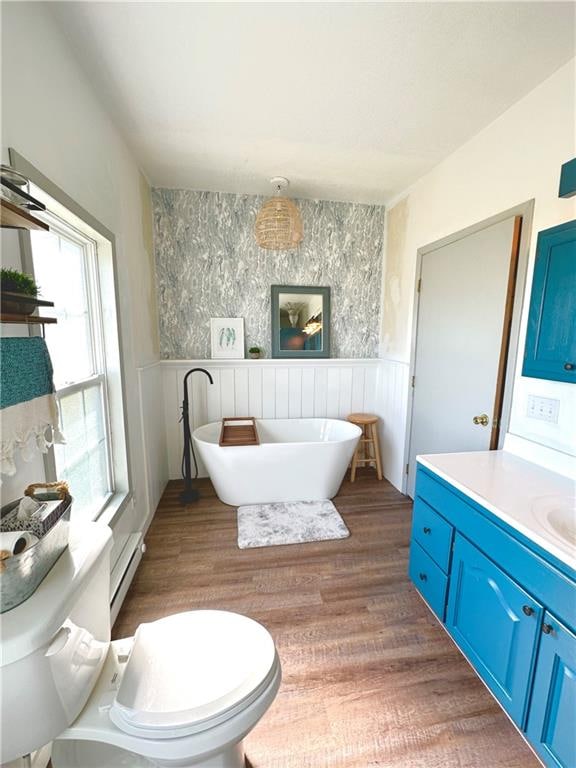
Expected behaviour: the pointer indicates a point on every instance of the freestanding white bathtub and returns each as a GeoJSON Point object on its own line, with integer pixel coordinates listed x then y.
{"type": "Point", "coordinates": [297, 460]}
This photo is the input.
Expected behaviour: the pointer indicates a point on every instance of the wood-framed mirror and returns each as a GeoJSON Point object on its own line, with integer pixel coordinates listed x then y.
{"type": "Point", "coordinates": [300, 321]}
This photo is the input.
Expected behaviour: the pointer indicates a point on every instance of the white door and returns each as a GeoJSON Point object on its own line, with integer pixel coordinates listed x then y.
{"type": "Point", "coordinates": [461, 316]}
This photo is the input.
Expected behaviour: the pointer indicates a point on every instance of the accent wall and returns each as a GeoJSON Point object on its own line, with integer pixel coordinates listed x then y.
{"type": "Point", "coordinates": [209, 265]}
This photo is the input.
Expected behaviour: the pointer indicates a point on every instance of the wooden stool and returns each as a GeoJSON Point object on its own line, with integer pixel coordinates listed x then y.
{"type": "Point", "coordinates": [367, 444]}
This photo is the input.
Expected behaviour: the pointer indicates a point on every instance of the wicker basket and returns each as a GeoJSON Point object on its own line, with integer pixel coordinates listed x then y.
{"type": "Point", "coordinates": [278, 225]}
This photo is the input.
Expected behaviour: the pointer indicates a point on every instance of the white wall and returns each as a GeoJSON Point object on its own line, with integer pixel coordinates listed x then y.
{"type": "Point", "coordinates": [269, 389]}
{"type": "Point", "coordinates": [515, 159]}
{"type": "Point", "coordinates": [51, 116]}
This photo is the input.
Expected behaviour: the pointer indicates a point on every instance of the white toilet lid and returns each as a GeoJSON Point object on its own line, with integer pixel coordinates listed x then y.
{"type": "Point", "coordinates": [189, 671]}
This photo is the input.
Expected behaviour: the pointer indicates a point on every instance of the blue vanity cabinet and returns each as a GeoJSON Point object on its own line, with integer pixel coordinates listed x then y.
{"type": "Point", "coordinates": [509, 606]}
{"type": "Point", "coordinates": [552, 719]}
{"type": "Point", "coordinates": [551, 335]}
{"type": "Point", "coordinates": [429, 580]}
{"type": "Point", "coordinates": [430, 554]}
{"type": "Point", "coordinates": [496, 624]}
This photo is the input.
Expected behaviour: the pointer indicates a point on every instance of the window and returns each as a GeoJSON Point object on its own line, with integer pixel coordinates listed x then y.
{"type": "Point", "coordinates": [65, 265]}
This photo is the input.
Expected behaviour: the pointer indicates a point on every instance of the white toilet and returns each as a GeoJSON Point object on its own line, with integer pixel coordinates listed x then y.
{"type": "Point", "coordinates": [184, 691]}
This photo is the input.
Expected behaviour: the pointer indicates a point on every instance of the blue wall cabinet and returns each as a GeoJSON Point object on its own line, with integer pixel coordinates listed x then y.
{"type": "Point", "coordinates": [496, 624]}
{"type": "Point", "coordinates": [551, 335]}
{"type": "Point", "coordinates": [568, 179]}
{"type": "Point", "coordinates": [552, 721]}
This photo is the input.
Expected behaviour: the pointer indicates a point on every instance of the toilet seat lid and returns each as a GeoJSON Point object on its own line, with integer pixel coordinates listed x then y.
{"type": "Point", "coordinates": [192, 670]}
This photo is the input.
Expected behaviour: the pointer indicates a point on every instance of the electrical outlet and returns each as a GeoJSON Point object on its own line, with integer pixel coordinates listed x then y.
{"type": "Point", "coordinates": [543, 408]}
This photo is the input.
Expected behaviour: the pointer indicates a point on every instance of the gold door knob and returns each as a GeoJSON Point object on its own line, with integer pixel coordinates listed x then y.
{"type": "Point", "coordinates": [482, 419]}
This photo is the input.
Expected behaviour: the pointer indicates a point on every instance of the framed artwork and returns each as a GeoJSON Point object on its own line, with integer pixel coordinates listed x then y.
{"type": "Point", "coordinates": [227, 338]}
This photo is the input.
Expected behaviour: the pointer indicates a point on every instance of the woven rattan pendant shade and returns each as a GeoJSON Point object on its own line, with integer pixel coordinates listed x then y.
{"type": "Point", "coordinates": [278, 225]}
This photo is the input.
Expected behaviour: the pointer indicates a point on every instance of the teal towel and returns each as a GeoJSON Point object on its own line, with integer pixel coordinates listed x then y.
{"type": "Point", "coordinates": [25, 370]}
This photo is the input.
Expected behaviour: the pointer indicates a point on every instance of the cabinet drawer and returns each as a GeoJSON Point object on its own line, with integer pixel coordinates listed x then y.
{"type": "Point", "coordinates": [432, 532]}
{"type": "Point", "coordinates": [429, 580]}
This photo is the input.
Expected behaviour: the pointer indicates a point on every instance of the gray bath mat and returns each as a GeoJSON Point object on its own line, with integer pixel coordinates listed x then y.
{"type": "Point", "coordinates": [289, 522]}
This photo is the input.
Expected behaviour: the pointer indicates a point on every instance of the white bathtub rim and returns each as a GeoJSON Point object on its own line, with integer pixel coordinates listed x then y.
{"type": "Point", "coordinates": [355, 433]}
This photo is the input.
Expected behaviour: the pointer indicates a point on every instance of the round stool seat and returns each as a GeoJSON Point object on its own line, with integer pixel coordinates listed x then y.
{"type": "Point", "coordinates": [362, 419]}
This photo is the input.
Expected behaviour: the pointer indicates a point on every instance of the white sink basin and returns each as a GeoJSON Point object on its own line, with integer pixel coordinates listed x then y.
{"type": "Point", "coordinates": [558, 515]}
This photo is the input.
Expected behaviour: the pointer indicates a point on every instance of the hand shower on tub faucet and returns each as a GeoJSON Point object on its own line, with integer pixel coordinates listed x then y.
{"type": "Point", "coordinates": [189, 493]}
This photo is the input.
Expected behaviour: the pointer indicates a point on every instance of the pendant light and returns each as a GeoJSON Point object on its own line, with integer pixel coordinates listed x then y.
{"type": "Point", "coordinates": [278, 224]}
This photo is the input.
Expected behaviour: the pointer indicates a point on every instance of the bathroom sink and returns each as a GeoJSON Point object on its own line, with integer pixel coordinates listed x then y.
{"type": "Point", "coordinates": [558, 515]}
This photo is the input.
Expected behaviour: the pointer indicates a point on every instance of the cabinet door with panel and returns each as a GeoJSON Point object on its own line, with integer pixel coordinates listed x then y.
{"type": "Point", "coordinates": [552, 717]}
{"type": "Point", "coordinates": [496, 624]}
{"type": "Point", "coordinates": [551, 334]}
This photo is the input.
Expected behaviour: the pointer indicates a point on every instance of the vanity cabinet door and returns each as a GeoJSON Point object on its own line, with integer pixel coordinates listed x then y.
{"type": "Point", "coordinates": [552, 718]}
{"type": "Point", "coordinates": [551, 335]}
{"type": "Point", "coordinates": [496, 624]}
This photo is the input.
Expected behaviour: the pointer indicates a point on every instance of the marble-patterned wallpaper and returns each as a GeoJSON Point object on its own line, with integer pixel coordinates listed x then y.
{"type": "Point", "coordinates": [209, 265]}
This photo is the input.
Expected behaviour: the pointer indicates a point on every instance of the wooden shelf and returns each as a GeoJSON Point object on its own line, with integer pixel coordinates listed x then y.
{"type": "Point", "coordinates": [13, 217]}
{"type": "Point", "coordinates": [24, 298]}
{"type": "Point", "coordinates": [26, 319]}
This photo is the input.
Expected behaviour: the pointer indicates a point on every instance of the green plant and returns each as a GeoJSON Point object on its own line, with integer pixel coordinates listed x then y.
{"type": "Point", "coordinates": [254, 350]}
{"type": "Point", "coordinates": [17, 282]}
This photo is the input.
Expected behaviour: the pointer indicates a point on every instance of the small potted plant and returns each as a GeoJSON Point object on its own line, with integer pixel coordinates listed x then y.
{"type": "Point", "coordinates": [19, 292]}
{"type": "Point", "coordinates": [254, 352]}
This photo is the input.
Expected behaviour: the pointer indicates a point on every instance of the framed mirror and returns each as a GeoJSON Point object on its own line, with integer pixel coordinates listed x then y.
{"type": "Point", "coordinates": [300, 321]}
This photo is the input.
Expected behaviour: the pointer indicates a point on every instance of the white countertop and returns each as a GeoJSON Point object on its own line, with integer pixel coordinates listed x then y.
{"type": "Point", "coordinates": [517, 491]}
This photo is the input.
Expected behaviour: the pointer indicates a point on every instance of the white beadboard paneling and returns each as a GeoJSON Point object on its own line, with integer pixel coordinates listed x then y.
{"type": "Point", "coordinates": [282, 393]}
{"type": "Point", "coordinates": [154, 434]}
{"type": "Point", "coordinates": [286, 389]}
{"type": "Point", "coordinates": [333, 393]}
{"type": "Point", "coordinates": [241, 391]}
{"type": "Point", "coordinates": [390, 400]}
{"type": "Point", "coordinates": [358, 378]}
{"type": "Point", "coordinates": [172, 413]}
{"type": "Point", "coordinates": [320, 392]}
{"type": "Point", "coordinates": [308, 392]}
{"type": "Point", "coordinates": [227, 393]}
{"type": "Point", "coordinates": [268, 393]}
{"type": "Point", "coordinates": [213, 400]}
{"type": "Point", "coordinates": [294, 393]}
{"type": "Point", "coordinates": [255, 392]}
{"type": "Point", "coordinates": [371, 393]}
{"type": "Point", "coordinates": [345, 393]}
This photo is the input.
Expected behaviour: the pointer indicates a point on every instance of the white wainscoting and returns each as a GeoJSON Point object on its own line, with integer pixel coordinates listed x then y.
{"type": "Point", "coordinates": [151, 390]}
{"type": "Point", "coordinates": [267, 389]}
{"type": "Point", "coordinates": [392, 407]}
{"type": "Point", "coordinates": [273, 389]}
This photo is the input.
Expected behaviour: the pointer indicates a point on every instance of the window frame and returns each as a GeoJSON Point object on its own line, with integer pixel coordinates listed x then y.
{"type": "Point", "coordinates": [74, 217]}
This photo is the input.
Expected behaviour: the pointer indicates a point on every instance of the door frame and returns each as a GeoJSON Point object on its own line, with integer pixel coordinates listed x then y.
{"type": "Point", "coordinates": [525, 211]}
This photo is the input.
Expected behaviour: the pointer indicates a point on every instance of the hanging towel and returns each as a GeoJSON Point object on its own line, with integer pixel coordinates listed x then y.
{"type": "Point", "coordinates": [28, 407]}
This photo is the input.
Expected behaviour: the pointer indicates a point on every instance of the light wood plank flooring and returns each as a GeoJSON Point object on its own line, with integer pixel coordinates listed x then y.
{"type": "Point", "coordinates": [370, 678]}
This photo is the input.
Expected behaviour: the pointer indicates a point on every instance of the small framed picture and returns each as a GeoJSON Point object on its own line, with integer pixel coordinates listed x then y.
{"type": "Point", "coordinates": [227, 338]}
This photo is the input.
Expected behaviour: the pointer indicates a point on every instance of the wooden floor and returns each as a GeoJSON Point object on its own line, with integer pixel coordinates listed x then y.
{"type": "Point", "coordinates": [369, 677]}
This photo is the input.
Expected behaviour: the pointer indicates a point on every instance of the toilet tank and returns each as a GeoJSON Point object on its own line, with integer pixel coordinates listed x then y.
{"type": "Point", "coordinates": [55, 643]}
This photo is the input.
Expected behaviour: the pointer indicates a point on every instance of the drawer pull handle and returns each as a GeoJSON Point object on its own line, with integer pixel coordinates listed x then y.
{"type": "Point", "coordinates": [568, 366]}
{"type": "Point", "coordinates": [427, 530]}
{"type": "Point", "coordinates": [422, 577]}
{"type": "Point", "coordinates": [548, 629]}
{"type": "Point", "coordinates": [528, 610]}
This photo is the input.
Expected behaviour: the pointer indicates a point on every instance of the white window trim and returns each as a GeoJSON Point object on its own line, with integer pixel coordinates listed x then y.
{"type": "Point", "coordinates": [60, 203]}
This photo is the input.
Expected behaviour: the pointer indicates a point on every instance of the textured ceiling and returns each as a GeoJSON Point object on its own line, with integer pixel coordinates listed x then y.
{"type": "Point", "coordinates": [351, 101]}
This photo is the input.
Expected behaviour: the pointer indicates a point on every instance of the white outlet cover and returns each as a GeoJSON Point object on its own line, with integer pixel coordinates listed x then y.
{"type": "Point", "coordinates": [543, 408]}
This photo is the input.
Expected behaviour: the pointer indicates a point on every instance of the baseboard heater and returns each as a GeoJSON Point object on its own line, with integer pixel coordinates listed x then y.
{"type": "Point", "coordinates": [123, 572]}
